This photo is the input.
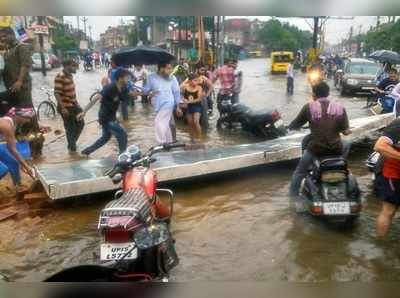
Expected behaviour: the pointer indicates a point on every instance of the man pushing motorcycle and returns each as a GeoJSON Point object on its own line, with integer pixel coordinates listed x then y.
{"type": "Point", "coordinates": [327, 120]}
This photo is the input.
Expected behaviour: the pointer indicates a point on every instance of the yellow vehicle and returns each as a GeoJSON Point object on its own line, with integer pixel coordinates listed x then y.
{"type": "Point", "coordinates": [280, 61]}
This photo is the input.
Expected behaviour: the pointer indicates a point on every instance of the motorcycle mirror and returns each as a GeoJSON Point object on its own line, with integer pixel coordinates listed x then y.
{"type": "Point", "coordinates": [117, 179]}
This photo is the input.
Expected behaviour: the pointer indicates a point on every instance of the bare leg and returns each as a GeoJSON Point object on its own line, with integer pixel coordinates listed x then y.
{"type": "Point", "coordinates": [189, 118]}
{"type": "Point", "coordinates": [196, 125]}
{"type": "Point", "coordinates": [384, 219]}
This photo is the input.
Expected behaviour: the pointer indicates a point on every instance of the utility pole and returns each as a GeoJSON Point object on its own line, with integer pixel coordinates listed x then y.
{"type": "Point", "coordinates": [194, 32]}
{"type": "Point", "coordinates": [223, 41]}
{"type": "Point", "coordinates": [179, 38]}
{"type": "Point", "coordinates": [378, 21]}
{"type": "Point", "coordinates": [77, 22]}
{"type": "Point", "coordinates": [213, 39]}
{"type": "Point", "coordinates": [138, 29]}
{"type": "Point", "coordinates": [90, 35]}
{"type": "Point", "coordinates": [315, 33]}
{"type": "Point", "coordinates": [84, 20]}
{"type": "Point", "coordinates": [218, 41]}
{"type": "Point", "coordinates": [153, 30]}
{"type": "Point", "coordinates": [42, 58]}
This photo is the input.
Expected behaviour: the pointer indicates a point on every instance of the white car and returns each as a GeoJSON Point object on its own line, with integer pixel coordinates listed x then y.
{"type": "Point", "coordinates": [37, 61]}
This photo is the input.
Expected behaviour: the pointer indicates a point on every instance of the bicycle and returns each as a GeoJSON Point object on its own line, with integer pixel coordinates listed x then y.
{"type": "Point", "coordinates": [47, 109]}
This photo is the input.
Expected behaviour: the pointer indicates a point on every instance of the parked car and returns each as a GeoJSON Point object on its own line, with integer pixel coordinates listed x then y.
{"type": "Point", "coordinates": [37, 61]}
{"type": "Point", "coordinates": [54, 61]}
{"type": "Point", "coordinates": [358, 76]}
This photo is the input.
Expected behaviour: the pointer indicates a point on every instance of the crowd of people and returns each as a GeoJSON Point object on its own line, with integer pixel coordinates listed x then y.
{"type": "Point", "coordinates": [178, 92]}
{"type": "Point", "coordinates": [190, 97]}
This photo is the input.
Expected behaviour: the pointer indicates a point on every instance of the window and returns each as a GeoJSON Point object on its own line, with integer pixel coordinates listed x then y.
{"type": "Point", "coordinates": [362, 68]}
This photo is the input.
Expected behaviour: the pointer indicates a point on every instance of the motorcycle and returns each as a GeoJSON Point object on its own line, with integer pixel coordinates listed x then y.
{"type": "Point", "coordinates": [338, 75]}
{"type": "Point", "coordinates": [330, 191]}
{"type": "Point", "coordinates": [88, 65]}
{"type": "Point", "coordinates": [137, 244]}
{"type": "Point", "coordinates": [380, 103]}
{"type": "Point", "coordinates": [267, 124]}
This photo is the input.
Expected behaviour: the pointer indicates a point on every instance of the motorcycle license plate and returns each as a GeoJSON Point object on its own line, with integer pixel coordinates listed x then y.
{"type": "Point", "coordinates": [115, 251]}
{"type": "Point", "coordinates": [342, 208]}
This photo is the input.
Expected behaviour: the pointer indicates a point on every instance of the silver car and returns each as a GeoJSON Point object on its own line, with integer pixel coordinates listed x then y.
{"type": "Point", "coordinates": [37, 61]}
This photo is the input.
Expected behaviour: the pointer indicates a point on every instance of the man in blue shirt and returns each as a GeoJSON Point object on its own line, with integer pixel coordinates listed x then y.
{"type": "Point", "coordinates": [110, 98]}
{"type": "Point", "coordinates": [164, 89]}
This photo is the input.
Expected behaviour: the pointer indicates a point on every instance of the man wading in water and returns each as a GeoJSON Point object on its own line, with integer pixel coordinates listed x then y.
{"type": "Point", "coordinates": [110, 99]}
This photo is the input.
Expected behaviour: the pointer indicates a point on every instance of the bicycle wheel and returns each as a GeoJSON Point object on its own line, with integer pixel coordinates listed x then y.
{"type": "Point", "coordinates": [93, 95]}
{"type": "Point", "coordinates": [46, 111]}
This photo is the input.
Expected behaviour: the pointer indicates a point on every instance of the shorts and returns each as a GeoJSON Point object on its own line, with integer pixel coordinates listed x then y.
{"type": "Point", "coordinates": [390, 190]}
{"type": "Point", "coordinates": [194, 108]}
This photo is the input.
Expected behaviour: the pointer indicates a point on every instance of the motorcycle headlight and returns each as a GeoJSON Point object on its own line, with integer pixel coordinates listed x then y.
{"type": "Point", "coordinates": [352, 82]}
{"type": "Point", "coordinates": [134, 152]}
{"type": "Point", "coordinates": [124, 157]}
{"type": "Point", "coordinates": [314, 76]}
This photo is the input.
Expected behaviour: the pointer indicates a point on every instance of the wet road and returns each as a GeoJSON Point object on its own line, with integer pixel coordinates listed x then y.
{"type": "Point", "coordinates": [236, 228]}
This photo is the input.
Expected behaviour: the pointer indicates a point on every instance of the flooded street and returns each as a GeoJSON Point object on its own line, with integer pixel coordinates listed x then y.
{"type": "Point", "coordinates": [236, 228]}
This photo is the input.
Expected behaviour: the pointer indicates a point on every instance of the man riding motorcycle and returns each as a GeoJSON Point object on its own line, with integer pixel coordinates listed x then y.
{"type": "Point", "coordinates": [384, 88]}
{"type": "Point", "coordinates": [226, 75]}
{"type": "Point", "coordinates": [327, 120]}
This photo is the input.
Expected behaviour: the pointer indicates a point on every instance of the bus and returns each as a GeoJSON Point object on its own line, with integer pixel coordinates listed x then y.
{"type": "Point", "coordinates": [280, 61]}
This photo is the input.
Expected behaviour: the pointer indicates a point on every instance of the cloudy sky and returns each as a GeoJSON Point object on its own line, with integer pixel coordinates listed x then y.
{"type": "Point", "coordinates": [336, 29]}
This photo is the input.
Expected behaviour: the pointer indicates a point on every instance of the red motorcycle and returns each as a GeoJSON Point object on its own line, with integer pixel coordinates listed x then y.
{"type": "Point", "coordinates": [137, 244]}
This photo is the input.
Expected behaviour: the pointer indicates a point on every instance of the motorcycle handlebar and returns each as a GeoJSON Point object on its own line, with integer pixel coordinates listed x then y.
{"type": "Point", "coordinates": [170, 146]}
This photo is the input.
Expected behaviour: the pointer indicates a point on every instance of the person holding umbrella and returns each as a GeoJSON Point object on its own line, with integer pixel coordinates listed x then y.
{"type": "Point", "coordinates": [161, 86]}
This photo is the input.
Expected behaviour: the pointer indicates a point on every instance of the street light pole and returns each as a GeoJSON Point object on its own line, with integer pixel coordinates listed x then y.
{"type": "Point", "coordinates": [84, 20]}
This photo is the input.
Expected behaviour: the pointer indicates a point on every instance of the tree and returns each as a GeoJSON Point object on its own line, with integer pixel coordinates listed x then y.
{"type": "Point", "coordinates": [277, 36]}
{"type": "Point", "coordinates": [63, 41]}
{"type": "Point", "coordinates": [386, 36]}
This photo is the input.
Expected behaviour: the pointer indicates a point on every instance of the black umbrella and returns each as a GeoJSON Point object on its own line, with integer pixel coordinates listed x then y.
{"type": "Point", "coordinates": [386, 56]}
{"type": "Point", "coordinates": [147, 55]}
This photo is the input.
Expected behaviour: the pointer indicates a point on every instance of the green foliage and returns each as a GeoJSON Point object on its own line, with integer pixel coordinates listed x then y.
{"type": "Point", "coordinates": [63, 41]}
{"type": "Point", "coordinates": [277, 36]}
{"type": "Point", "coordinates": [385, 37]}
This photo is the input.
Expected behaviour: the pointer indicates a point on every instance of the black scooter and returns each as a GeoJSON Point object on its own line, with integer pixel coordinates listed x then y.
{"type": "Point", "coordinates": [330, 191]}
{"type": "Point", "coordinates": [267, 124]}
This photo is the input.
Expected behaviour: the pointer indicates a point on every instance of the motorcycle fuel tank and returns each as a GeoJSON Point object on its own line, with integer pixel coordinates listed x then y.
{"type": "Point", "coordinates": [141, 177]}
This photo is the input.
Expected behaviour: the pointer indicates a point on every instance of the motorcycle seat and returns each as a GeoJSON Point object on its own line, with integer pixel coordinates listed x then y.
{"type": "Point", "coordinates": [260, 117]}
{"type": "Point", "coordinates": [134, 202]}
{"type": "Point", "coordinates": [332, 163]}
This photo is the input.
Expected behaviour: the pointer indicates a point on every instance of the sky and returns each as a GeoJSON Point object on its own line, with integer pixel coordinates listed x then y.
{"type": "Point", "coordinates": [336, 29]}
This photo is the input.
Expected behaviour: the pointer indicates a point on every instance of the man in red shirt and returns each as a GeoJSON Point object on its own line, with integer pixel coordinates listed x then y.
{"type": "Point", "coordinates": [226, 76]}
{"type": "Point", "coordinates": [388, 146]}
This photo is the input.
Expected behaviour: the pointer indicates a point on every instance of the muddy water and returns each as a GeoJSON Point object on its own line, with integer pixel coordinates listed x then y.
{"type": "Point", "coordinates": [236, 228]}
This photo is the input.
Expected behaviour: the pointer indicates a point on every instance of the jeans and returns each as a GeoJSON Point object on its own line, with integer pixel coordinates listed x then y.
{"type": "Point", "coordinates": [109, 129]}
{"type": "Point", "coordinates": [7, 160]}
{"type": "Point", "coordinates": [73, 127]}
{"type": "Point", "coordinates": [124, 106]}
{"type": "Point", "coordinates": [305, 163]}
{"type": "Point", "coordinates": [290, 85]}
{"type": "Point", "coordinates": [235, 97]}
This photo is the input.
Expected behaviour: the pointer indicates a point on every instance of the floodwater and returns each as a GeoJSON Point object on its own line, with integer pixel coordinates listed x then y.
{"type": "Point", "coordinates": [236, 228]}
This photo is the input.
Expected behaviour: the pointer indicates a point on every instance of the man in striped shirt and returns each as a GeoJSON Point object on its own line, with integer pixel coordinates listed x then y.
{"type": "Point", "coordinates": [68, 106]}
